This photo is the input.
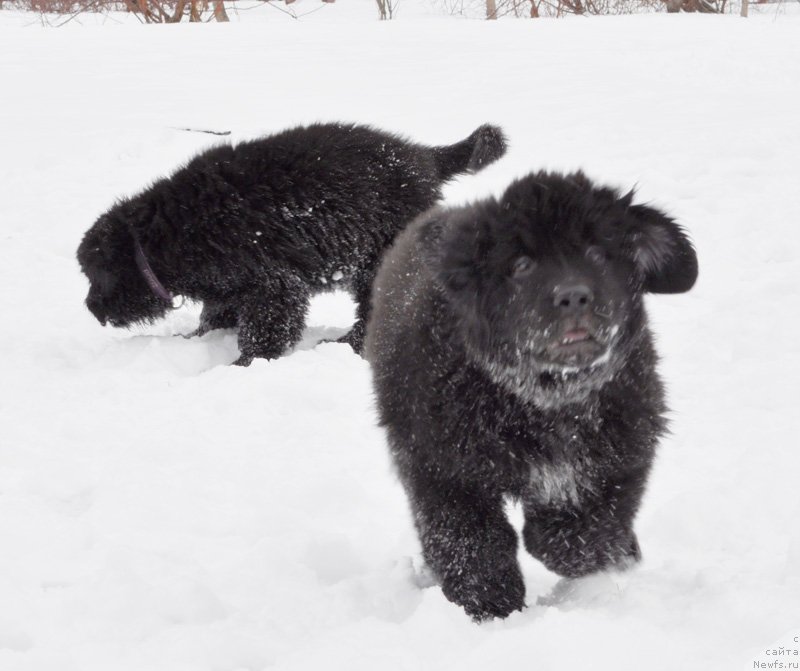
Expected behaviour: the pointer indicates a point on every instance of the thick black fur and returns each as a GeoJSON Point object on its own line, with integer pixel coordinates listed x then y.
{"type": "Point", "coordinates": [254, 230]}
{"type": "Point", "coordinates": [511, 357]}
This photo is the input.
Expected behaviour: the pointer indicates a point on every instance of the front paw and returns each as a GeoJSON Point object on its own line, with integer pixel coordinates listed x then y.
{"type": "Point", "coordinates": [573, 555]}
{"type": "Point", "coordinates": [243, 360]}
{"type": "Point", "coordinates": [198, 332]}
{"type": "Point", "coordinates": [485, 597]}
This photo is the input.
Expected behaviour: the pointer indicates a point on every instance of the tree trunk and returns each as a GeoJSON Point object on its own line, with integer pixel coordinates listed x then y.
{"type": "Point", "coordinates": [491, 9]}
{"type": "Point", "coordinates": [219, 11]}
{"type": "Point", "coordinates": [177, 15]}
{"type": "Point", "coordinates": [145, 11]}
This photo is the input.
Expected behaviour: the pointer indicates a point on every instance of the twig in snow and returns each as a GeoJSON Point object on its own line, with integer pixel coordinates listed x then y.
{"type": "Point", "coordinates": [203, 130]}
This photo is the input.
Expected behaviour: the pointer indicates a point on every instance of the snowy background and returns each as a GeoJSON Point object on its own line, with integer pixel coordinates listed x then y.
{"type": "Point", "coordinates": [163, 511]}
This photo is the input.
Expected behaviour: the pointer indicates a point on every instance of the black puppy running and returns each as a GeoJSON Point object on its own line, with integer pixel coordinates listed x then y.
{"type": "Point", "coordinates": [511, 356]}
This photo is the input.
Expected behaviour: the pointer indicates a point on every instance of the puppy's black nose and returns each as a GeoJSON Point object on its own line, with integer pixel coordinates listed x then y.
{"type": "Point", "coordinates": [573, 298]}
{"type": "Point", "coordinates": [96, 310]}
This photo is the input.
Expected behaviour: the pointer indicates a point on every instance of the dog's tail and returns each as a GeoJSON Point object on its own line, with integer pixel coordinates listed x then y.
{"type": "Point", "coordinates": [484, 146]}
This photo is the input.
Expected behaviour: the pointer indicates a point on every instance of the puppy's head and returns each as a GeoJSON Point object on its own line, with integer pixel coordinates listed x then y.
{"type": "Point", "coordinates": [118, 294]}
{"type": "Point", "coordinates": [546, 283]}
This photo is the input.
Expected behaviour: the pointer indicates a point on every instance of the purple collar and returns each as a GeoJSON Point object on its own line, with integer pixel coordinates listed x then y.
{"type": "Point", "coordinates": [149, 276]}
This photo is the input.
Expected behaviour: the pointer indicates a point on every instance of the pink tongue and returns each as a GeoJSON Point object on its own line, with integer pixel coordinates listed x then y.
{"type": "Point", "coordinates": [575, 335]}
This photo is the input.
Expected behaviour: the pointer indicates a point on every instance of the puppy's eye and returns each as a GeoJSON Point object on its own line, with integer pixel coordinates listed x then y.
{"type": "Point", "coordinates": [596, 254]}
{"type": "Point", "coordinates": [523, 266]}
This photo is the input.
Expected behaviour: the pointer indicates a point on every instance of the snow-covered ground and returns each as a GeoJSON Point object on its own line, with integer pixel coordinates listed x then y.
{"type": "Point", "coordinates": [163, 511]}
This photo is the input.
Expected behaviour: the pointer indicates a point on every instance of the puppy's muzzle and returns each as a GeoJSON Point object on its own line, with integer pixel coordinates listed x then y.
{"type": "Point", "coordinates": [572, 298]}
{"type": "Point", "coordinates": [96, 309]}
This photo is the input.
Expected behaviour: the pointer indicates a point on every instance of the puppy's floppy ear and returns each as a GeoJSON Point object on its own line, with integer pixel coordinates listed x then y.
{"type": "Point", "coordinates": [463, 250]}
{"type": "Point", "coordinates": [661, 251]}
{"type": "Point", "coordinates": [458, 262]}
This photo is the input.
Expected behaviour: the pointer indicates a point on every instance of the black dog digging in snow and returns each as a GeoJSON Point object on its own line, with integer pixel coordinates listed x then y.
{"type": "Point", "coordinates": [511, 357]}
{"type": "Point", "coordinates": [254, 230]}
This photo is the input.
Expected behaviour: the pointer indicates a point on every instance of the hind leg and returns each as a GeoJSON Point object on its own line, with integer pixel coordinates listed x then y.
{"type": "Point", "coordinates": [361, 289]}
{"type": "Point", "coordinates": [271, 319]}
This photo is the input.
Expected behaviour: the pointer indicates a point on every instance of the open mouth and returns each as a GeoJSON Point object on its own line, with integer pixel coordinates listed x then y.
{"type": "Point", "coordinates": [577, 346]}
{"type": "Point", "coordinates": [577, 335]}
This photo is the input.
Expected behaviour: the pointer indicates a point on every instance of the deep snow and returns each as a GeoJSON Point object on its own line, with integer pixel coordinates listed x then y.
{"type": "Point", "coordinates": [160, 510]}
